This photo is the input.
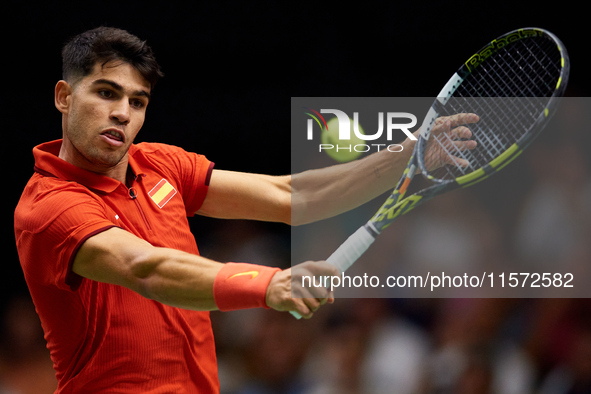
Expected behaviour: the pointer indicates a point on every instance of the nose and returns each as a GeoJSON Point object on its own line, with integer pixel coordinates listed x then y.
{"type": "Point", "coordinates": [120, 112]}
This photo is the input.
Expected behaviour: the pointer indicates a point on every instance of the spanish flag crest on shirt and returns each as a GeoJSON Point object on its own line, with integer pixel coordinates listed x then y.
{"type": "Point", "coordinates": [162, 193]}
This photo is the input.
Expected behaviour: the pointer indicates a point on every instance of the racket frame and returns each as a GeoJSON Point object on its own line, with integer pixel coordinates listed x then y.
{"type": "Point", "coordinates": [396, 205]}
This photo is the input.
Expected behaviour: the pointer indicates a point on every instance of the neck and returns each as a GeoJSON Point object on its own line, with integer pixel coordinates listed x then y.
{"type": "Point", "coordinates": [72, 155]}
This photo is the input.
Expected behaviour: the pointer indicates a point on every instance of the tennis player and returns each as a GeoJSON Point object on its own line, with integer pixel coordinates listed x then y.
{"type": "Point", "coordinates": [105, 245]}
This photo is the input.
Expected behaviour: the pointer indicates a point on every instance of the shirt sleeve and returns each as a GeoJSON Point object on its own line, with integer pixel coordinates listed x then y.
{"type": "Point", "coordinates": [192, 172]}
{"type": "Point", "coordinates": [199, 184]}
{"type": "Point", "coordinates": [48, 244]}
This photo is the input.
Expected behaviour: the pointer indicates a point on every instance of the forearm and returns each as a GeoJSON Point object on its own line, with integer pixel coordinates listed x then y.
{"type": "Point", "coordinates": [170, 276]}
{"type": "Point", "coordinates": [177, 279]}
{"type": "Point", "coordinates": [323, 193]}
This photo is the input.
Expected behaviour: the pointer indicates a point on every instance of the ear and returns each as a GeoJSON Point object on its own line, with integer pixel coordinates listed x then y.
{"type": "Point", "coordinates": [63, 93]}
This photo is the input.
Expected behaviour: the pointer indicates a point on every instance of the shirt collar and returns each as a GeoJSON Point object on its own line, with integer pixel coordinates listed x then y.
{"type": "Point", "coordinates": [48, 163]}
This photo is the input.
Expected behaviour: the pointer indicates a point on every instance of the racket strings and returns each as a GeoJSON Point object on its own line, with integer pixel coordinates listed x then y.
{"type": "Point", "coordinates": [493, 136]}
{"type": "Point", "coordinates": [528, 68]}
{"type": "Point", "coordinates": [508, 91]}
{"type": "Point", "coordinates": [443, 150]}
{"type": "Point", "coordinates": [531, 83]}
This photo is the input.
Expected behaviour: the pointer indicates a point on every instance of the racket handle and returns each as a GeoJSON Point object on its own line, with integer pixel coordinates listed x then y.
{"type": "Point", "coordinates": [351, 249]}
{"type": "Point", "coordinates": [348, 252]}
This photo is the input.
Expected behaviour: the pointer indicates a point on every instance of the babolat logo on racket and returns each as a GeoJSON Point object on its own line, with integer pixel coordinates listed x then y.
{"type": "Point", "coordinates": [344, 139]}
{"type": "Point", "coordinates": [477, 59]}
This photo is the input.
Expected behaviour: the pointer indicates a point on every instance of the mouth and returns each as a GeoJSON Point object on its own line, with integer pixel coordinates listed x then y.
{"type": "Point", "coordinates": [114, 137]}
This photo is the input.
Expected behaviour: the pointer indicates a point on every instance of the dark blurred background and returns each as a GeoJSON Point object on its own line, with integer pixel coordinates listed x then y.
{"type": "Point", "coordinates": [231, 68]}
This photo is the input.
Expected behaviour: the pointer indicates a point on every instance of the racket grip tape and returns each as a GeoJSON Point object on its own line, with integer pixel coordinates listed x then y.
{"type": "Point", "coordinates": [351, 249]}
{"type": "Point", "coordinates": [348, 252]}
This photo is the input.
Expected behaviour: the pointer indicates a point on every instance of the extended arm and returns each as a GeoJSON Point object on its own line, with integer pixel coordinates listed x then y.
{"type": "Point", "coordinates": [177, 278]}
{"type": "Point", "coordinates": [306, 197]}
{"type": "Point", "coordinates": [321, 193]}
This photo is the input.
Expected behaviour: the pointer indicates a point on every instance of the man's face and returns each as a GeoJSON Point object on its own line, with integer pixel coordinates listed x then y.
{"type": "Point", "coordinates": [105, 111]}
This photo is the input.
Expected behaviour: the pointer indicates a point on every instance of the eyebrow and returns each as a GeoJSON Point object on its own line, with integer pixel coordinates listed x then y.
{"type": "Point", "coordinates": [119, 88]}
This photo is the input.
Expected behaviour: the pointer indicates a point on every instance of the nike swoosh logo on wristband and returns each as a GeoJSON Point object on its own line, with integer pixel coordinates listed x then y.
{"type": "Point", "coordinates": [253, 274]}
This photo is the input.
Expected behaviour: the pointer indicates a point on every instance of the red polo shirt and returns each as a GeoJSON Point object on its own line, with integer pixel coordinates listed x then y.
{"type": "Point", "coordinates": [102, 337]}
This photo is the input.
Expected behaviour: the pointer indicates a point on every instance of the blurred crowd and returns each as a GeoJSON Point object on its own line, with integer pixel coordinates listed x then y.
{"type": "Point", "coordinates": [410, 345]}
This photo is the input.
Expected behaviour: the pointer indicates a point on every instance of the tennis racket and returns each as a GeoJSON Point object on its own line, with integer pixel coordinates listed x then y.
{"type": "Point", "coordinates": [513, 84]}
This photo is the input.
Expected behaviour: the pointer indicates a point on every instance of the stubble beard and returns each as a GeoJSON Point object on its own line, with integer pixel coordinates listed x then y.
{"type": "Point", "coordinates": [102, 159]}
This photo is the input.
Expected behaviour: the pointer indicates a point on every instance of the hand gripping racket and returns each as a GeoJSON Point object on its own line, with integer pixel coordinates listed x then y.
{"type": "Point", "coordinates": [513, 84]}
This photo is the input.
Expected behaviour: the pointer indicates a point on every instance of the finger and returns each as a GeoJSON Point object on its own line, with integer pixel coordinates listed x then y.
{"type": "Point", "coordinates": [302, 309]}
{"type": "Point", "coordinates": [457, 148]}
{"type": "Point", "coordinates": [319, 292]}
{"type": "Point", "coordinates": [451, 153]}
{"type": "Point", "coordinates": [312, 303]}
{"type": "Point", "coordinates": [465, 145]}
{"type": "Point", "coordinates": [310, 292]}
{"type": "Point", "coordinates": [455, 121]}
{"type": "Point", "coordinates": [441, 128]}
{"type": "Point", "coordinates": [321, 268]}
{"type": "Point", "coordinates": [456, 161]}
{"type": "Point", "coordinates": [306, 307]}
{"type": "Point", "coordinates": [324, 300]}
{"type": "Point", "coordinates": [463, 118]}
{"type": "Point", "coordinates": [450, 144]}
{"type": "Point", "coordinates": [330, 298]}
{"type": "Point", "coordinates": [460, 132]}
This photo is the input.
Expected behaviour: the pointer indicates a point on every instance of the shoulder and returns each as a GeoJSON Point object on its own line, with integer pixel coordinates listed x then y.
{"type": "Point", "coordinates": [169, 156]}
{"type": "Point", "coordinates": [45, 199]}
{"type": "Point", "coordinates": [158, 149]}
{"type": "Point", "coordinates": [173, 160]}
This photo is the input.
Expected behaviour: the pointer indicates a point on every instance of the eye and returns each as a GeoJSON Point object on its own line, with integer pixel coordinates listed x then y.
{"type": "Point", "coordinates": [138, 104]}
{"type": "Point", "coordinates": [105, 93]}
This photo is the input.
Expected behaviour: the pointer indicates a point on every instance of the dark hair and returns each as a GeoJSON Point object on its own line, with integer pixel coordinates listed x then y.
{"type": "Point", "coordinates": [103, 45]}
